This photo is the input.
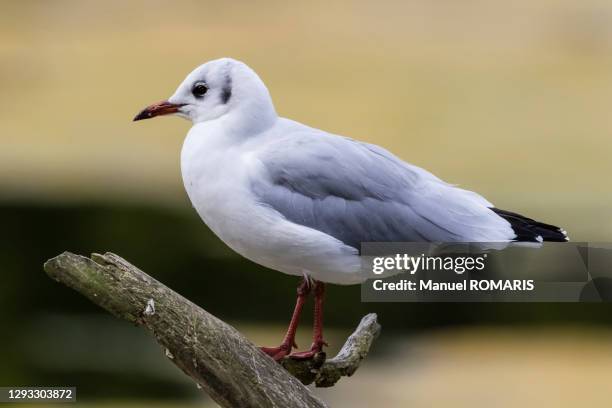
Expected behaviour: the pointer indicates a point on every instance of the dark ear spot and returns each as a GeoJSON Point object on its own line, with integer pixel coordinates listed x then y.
{"type": "Point", "coordinates": [226, 91]}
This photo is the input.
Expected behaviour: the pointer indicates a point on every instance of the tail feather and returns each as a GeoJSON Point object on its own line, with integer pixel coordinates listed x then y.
{"type": "Point", "coordinates": [529, 230]}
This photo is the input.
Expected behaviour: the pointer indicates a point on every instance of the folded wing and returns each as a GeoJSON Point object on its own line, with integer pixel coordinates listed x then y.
{"type": "Point", "coordinates": [358, 192]}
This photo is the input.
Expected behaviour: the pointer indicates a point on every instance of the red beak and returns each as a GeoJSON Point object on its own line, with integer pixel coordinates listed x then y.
{"type": "Point", "coordinates": [158, 109]}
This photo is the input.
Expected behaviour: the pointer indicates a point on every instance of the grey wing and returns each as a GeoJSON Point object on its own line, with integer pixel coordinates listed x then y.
{"type": "Point", "coordinates": [358, 192]}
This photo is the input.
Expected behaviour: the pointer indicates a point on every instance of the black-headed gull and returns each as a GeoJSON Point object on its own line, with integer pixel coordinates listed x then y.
{"type": "Point", "coordinates": [300, 200]}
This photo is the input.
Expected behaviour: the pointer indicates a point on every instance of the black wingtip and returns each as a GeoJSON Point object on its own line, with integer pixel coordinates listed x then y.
{"type": "Point", "coordinates": [530, 230]}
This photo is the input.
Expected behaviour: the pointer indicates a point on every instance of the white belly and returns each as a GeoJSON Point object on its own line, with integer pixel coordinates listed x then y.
{"type": "Point", "coordinates": [217, 177]}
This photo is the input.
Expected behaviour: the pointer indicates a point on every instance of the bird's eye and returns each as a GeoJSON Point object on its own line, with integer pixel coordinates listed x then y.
{"type": "Point", "coordinates": [199, 89]}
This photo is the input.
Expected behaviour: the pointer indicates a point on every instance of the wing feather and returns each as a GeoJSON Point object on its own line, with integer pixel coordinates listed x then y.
{"type": "Point", "coordinates": [358, 192]}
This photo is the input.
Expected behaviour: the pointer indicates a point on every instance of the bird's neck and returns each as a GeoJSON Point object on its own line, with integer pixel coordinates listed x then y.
{"type": "Point", "coordinates": [249, 119]}
{"type": "Point", "coordinates": [234, 128]}
{"type": "Point", "coordinates": [253, 110]}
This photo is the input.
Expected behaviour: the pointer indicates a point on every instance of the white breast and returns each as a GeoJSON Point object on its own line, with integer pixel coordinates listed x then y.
{"type": "Point", "coordinates": [217, 174]}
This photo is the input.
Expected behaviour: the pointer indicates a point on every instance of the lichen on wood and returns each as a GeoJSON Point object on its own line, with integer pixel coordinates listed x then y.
{"type": "Point", "coordinates": [214, 354]}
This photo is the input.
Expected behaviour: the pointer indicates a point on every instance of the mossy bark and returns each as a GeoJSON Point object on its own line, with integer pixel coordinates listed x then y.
{"type": "Point", "coordinates": [220, 359]}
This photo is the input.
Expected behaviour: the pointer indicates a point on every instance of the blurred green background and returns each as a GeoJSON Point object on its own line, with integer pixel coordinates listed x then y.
{"type": "Point", "coordinates": [510, 99]}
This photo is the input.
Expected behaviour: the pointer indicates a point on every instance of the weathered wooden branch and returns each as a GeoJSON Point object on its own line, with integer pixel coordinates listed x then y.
{"type": "Point", "coordinates": [325, 373]}
{"type": "Point", "coordinates": [220, 359]}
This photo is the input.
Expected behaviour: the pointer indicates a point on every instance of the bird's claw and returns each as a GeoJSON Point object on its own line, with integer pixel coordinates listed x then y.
{"type": "Point", "coordinates": [316, 348]}
{"type": "Point", "coordinates": [278, 353]}
{"type": "Point", "coordinates": [284, 350]}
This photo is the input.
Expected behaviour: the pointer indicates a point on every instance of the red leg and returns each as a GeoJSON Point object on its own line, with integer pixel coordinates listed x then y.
{"type": "Point", "coordinates": [317, 337]}
{"type": "Point", "coordinates": [288, 342]}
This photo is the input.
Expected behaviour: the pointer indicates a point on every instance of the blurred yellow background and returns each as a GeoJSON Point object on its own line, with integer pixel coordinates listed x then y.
{"type": "Point", "coordinates": [510, 99]}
